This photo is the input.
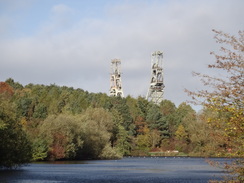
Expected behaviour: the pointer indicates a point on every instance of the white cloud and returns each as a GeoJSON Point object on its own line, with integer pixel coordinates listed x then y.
{"type": "Point", "coordinates": [78, 53]}
{"type": "Point", "coordinates": [61, 9]}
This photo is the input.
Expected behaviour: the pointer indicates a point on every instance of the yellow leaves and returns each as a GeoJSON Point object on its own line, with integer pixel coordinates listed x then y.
{"type": "Point", "coordinates": [224, 104]}
{"type": "Point", "coordinates": [23, 122]}
{"type": "Point", "coordinates": [181, 133]}
{"type": "Point", "coordinates": [146, 130]}
{"type": "Point", "coordinates": [228, 118]}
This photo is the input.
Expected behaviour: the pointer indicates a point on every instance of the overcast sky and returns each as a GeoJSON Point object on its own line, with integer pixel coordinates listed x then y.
{"type": "Point", "coordinates": [72, 42]}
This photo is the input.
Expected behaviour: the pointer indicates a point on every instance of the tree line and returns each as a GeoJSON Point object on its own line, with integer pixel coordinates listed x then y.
{"type": "Point", "coordinates": [50, 122]}
{"type": "Point", "coordinates": [66, 123]}
{"type": "Point", "coordinates": [54, 122]}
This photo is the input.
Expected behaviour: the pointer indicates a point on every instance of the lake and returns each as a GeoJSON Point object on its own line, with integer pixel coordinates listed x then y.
{"type": "Point", "coordinates": [126, 170]}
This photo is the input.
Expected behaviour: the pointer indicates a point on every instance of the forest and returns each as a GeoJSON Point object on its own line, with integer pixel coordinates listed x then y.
{"type": "Point", "coordinates": [56, 122]}
{"type": "Point", "coordinates": [50, 122]}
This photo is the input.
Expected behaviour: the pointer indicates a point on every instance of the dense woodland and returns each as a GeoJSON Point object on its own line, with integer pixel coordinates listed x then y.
{"type": "Point", "coordinates": [39, 122]}
{"type": "Point", "coordinates": [66, 123]}
{"type": "Point", "coordinates": [53, 122]}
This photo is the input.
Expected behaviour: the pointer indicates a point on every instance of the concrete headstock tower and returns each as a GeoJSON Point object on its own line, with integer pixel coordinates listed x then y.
{"type": "Point", "coordinates": [156, 88]}
{"type": "Point", "coordinates": [115, 79]}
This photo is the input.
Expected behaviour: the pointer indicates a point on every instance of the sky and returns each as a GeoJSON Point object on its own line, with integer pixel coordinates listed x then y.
{"type": "Point", "coordinates": [72, 42]}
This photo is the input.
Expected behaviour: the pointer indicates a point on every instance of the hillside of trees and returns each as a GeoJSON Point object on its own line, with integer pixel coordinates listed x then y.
{"type": "Point", "coordinates": [65, 123]}
{"type": "Point", "coordinates": [53, 122]}
{"type": "Point", "coordinates": [39, 122]}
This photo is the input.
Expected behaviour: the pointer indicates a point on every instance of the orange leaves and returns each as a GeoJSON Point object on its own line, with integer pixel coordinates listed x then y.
{"type": "Point", "coordinates": [225, 96]}
{"type": "Point", "coordinates": [6, 89]}
{"type": "Point", "coordinates": [140, 125]}
{"type": "Point", "coordinates": [58, 147]}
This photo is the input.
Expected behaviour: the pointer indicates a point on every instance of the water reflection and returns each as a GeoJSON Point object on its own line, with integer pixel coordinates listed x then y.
{"type": "Point", "coordinates": [126, 170]}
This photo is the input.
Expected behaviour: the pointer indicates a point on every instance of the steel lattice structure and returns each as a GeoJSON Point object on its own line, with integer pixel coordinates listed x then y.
{"type": "Point", "coordinates": [156, 89]}
{"type": "Point", "coordinates": [115, 79]}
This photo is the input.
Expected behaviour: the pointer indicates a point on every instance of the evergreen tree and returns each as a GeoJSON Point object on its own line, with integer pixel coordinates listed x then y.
{"type": "Point", "coordinates": [15, 148]}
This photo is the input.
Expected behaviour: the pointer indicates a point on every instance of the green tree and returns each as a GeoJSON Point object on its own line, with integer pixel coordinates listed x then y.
{"type": "Point", "coordinates": [63, 135]}
{"type": "Point", "coordinates": [153, 116]}
{"type": "Point", "coordinates": [24, 106]}
{"type": "Point", "coordinates": [40, 111]}
{"type": "Point", "coordinates": [167, 107]}
{"type": "Point", "coordinates": [121, 106]}
{"type": "Point", "coordinates": [143, 142]}
{"type": "Point", "coordinates": [97, 126]}
{"type": "Point", "coordinates": [77, 101]}
{"type": "Point", "coordinates": [39, 148]}
{"type": "Point", "coordinates": [163, 127]}
{"type": "Point", "coordinates": [185, 114]}
{"type": "Point", "coordinates": [142, 105]}
{"type": "Point", "coordinates": [205, 140]}
{"type": "Point", "coordinates": [123, 142]}
{"type": "Point", "coordinates": [15, 148]}
{"type": "Point", "coordinates": [132, 104]}
{"type": "Point", "coordinates": [156, 121]}
{"type": "Point", "coordinates": [168, 123]}
{"type": "Point", "coordinates": [14, 84]}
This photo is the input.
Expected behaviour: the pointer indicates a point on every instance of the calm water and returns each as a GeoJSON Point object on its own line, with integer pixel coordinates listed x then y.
{"type": "Point", "coordinates": [128, 170]}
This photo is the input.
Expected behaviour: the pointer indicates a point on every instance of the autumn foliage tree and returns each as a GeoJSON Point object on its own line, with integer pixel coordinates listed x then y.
{"type": "Point", "coordinates": [225, 95]}
{"type": "Point", "coordinates": [15, 148]}
{"type": "Point", "coordinates": [6, 89]}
